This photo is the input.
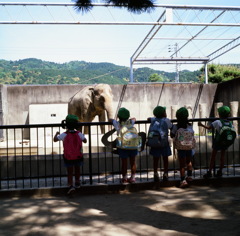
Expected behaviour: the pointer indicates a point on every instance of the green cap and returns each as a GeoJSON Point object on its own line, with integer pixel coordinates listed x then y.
{"type": "Point", "coordinates": [182, 113]}
{"type": "Point", "coordinates": [71, 121]}
{"type": "Point", "coordinates": [159, 111]}
{"type": "Point", "coordinates": [123, 113]}
{"type": "Point", "coordinates": [224, 111]}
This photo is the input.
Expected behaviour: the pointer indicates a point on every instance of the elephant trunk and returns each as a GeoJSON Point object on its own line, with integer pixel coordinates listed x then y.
{"type": "Point", "coordinates": [109, 110]}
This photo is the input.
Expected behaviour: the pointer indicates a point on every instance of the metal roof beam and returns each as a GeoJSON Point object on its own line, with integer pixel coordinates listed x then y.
{"type": "Point", "coordinates": [196, 7]}
{"type": "Point", "coordinates": [224, 49]}
{"type": "Point", "coordinates": [119, 23]}
{"type": "Point", "coordinates": [175, 59]}
{"type": "Point", "coordinates": [193, 37]}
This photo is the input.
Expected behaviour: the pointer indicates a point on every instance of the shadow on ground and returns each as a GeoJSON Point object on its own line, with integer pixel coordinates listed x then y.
{"type": "Point", "coordinates": [198, 210]}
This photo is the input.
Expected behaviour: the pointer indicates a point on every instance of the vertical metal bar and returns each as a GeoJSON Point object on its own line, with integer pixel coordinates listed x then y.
{"type": "Point", "coordinates": [38, 166]}
{"type": "Point", "coordinates": [60, 159]}
{"type": "Point", "coordinates": [131, 70]}
{"type": "Point", "coordinates": [98, 157]}
{"type": "Point", "coordinates": [227, 162]}
{"type": "Point", "coordinates": [30, 161]}
{"type": "Point", "coordinates": [7, 158]}
{"type": "Point", "coordinates": [90, 154]}
{"type": "Point", "coordinates": [23, 179]}
{"type": "Point", "coordinates": [45, 157]}
{"type": "Point", "coordinates": [15, 158]}
{"type": "Point", "coordinates": [206, 73]}
{"type": "Point", "coordinates": [52, 155]}
{"type": "Point", "coordinates": [200, 153]}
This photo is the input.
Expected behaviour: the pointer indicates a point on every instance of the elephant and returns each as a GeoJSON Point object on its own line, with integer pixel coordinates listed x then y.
{"type": "Point", "coordinates": [92, 101]}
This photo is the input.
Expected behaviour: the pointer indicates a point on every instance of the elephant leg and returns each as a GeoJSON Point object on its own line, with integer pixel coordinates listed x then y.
{"type": "Point", "coordinates": [102, 118]}
{"type": "Point", "coordinates": [86, 130]}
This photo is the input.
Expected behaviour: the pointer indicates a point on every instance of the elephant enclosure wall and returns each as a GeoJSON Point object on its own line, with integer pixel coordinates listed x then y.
{"type": "Point", "coordinates": [19, 104]}
{"type": "Point", "coordinates": [140, 99]}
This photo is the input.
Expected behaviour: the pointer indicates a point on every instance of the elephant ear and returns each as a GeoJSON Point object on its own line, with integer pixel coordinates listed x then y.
{"type": "Point", "coordinates": [98, 96]}
{"type": "Point", "coordinates": [91, 94]}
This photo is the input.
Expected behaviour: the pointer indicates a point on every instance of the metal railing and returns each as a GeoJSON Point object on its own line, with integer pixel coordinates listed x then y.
{"type": "Point", "coordinates": [30, 159]}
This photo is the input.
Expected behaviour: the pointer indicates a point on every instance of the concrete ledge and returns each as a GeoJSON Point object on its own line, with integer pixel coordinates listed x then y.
{"type": "Point", "coordinates": [117, 188]}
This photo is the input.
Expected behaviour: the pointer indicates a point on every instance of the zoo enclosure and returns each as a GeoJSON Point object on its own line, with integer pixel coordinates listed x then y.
{"type": "Point", "coordinates": [37, 162]}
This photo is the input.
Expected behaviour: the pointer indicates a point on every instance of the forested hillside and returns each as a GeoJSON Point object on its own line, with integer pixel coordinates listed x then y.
{"type": "Point", "coordinates": [35, 71]}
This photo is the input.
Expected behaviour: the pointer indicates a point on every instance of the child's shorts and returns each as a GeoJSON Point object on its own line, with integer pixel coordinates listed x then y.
{"type": "Point", "coordinates": [71, 163]}
{"type": "Point", "coordinates": [123, 153]}
{"type": "Point", "coordinates": [185, 153]}
{"type": "Point", "coordinates": [158, 152]}
{"type": "Point", "coordinates": [217, 147]}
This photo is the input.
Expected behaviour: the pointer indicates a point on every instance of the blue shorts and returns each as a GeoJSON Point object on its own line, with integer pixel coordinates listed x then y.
{"type": "Point", "coordinates": [158, 152]}
{"type": "Point", "coordinates": [185, 153]}
{"type": "Point", "coordinates": [71, 163]}
{"type": "Point", "coordinates": [123, 153]}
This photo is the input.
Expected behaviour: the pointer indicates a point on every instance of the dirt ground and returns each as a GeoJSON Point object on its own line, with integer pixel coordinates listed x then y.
{"type": "Point", "coordinates": [168, 211]}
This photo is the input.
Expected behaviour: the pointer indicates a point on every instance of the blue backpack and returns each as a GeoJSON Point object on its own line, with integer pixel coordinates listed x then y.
{"type": "Point", "coordinates": [158, 133]}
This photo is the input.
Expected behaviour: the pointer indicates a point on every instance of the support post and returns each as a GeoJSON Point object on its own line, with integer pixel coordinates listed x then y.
{"type": "Point", "coordinates": [206, 73]}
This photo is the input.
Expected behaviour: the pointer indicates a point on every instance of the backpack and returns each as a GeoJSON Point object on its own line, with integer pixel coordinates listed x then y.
{"type": "Point", "coordinates": [72, 145]}
{"type": "Point", "coordinates": [227, 134]}
{"type": "Point", "coordinates": [128, 137]}
{"type": "Point", "coordinates": [158, 134]}
{"type": "Point", "coordinates": [184, 139]}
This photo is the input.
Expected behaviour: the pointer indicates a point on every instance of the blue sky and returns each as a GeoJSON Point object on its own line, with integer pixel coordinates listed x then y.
{"type": "Point", "coordinates": [64, 43]}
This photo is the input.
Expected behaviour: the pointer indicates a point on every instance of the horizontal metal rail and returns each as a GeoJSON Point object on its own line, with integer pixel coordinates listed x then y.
{"type": "Point", "coordinates": [30, 159]}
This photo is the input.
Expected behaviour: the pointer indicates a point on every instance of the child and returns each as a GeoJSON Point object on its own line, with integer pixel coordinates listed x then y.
{"type": "Point", "coordinates": [185, 153]}
{"type": "Point", "coordinates": [224, 113]}
{"type": "Point", "coordinates": [161, 116]}
{"type": "Point", "coordinates": [73, 156]}
{"type": "Point", "coordinates": [123, 116]}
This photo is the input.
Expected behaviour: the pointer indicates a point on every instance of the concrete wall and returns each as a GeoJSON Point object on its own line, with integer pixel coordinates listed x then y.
{"type": "Point", "coordinates": [140, 99]}
{"type": "Point", "coordinates": [228, 91]}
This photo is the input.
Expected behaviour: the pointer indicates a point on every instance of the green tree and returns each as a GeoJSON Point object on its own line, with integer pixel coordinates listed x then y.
{"type": "Point", "coordinates": [220, 73]}
{"type": "Point", "coordinates": [155, 78]}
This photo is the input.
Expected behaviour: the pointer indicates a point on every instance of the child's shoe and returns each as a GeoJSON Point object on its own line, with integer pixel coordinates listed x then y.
{"type": "Point", "coordinates": [189, 179]}
{"type": "Point", "coordinates": [131, 180]}
{"type": "Point", "coordinates": [219, 173]}
{"type": "Point", "coordinates": [77, 185]}
{"type": "Point", "coordinates": [156, 177]}
{"type": "Point", "coordinates": [207, 175]}
{"type": "Point", "coordinates": [165, 177]}
{"type": "Point", "coordinates": [123, 181]}
{"type": "Point", "coordinates": [183, 184]}
{"type": "Point", "coordinates": [71, 190]}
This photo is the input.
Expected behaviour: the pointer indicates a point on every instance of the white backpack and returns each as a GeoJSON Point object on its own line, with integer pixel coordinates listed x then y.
{"type": "Point", "coordinates": [184, 139]}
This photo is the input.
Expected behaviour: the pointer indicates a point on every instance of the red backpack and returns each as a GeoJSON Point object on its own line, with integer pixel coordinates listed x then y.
{"type": "Point", "coordinates": [72, 145]}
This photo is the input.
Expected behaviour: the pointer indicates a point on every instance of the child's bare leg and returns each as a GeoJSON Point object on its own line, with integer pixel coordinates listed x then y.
{"type": "Point", "coordinates": [155, 164]}
{"type": "Point", "coordinates": [222, 159]}
{"type": "Point", "coordinates": [133, 166]}
{"type": "Point", "coordinates": [70, 175]}
{"type": "Point", "coordinates": [189, 167]}
{"type": "Point", "coordinates": [124, 168]}
{"type": "Point", "coordinates": [165, 164]}
{"type": "Point", "coordinates": [77, 174]}
{"type": "Point", "coordinates": [212, 161]}
{"type": "Point", "coordinates": [182, 162]}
